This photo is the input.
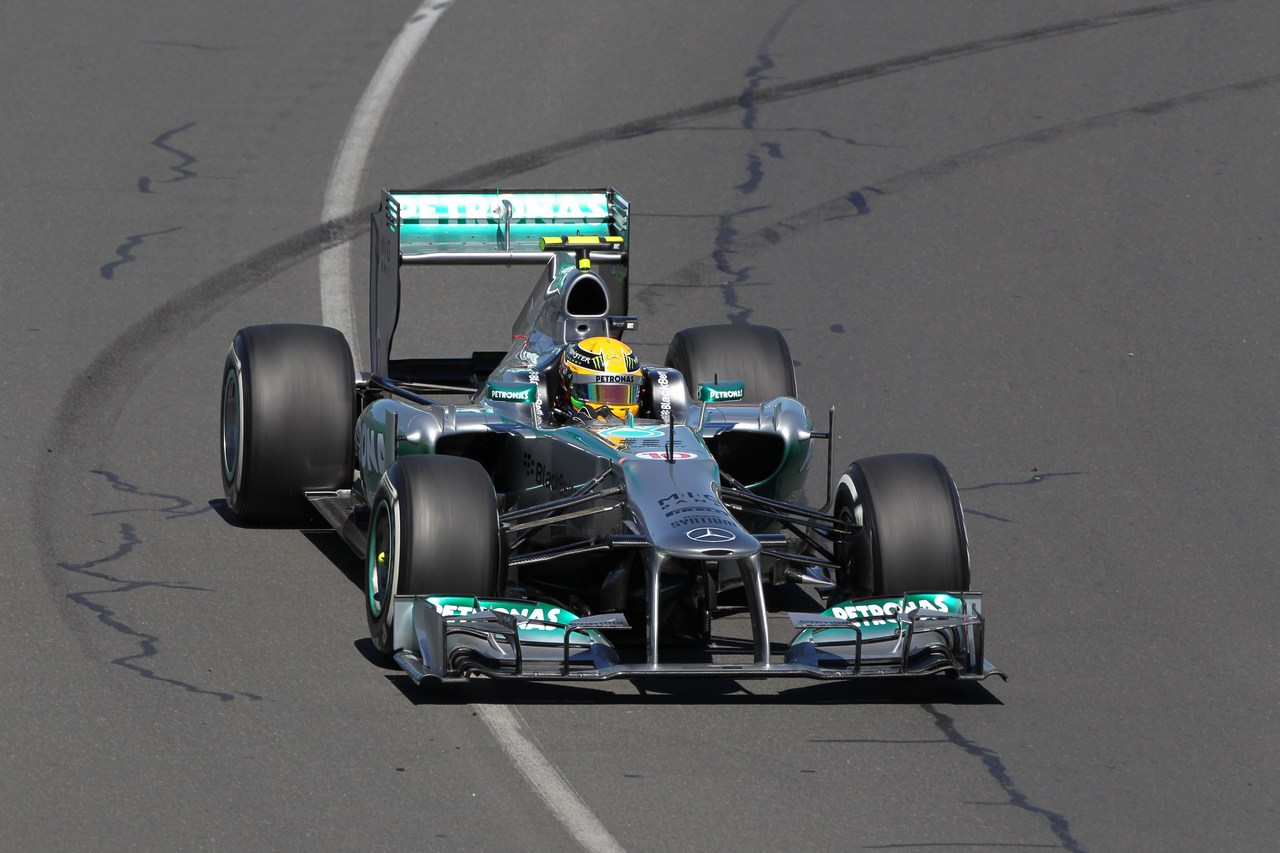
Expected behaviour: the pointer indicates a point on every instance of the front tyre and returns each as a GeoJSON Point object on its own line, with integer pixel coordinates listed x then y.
{"type": "Point", "coordinates": [287, 419]}
{"type": "Point", "coordinates": [912, 535]}
{"type": "Point", "coordinates": [433, 530]}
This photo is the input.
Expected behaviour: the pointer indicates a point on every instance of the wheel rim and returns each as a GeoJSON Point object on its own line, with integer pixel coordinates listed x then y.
{"type": "Point", "coordinates": [851, 512]}
{"type": "Point", "coordinates": [846, 518]}
{"type": "Point", "coordinates": [380, 559]}
{"type": "Point", "coordinates": [231, 426]}
{"type": "Point", "coordinates": [848, 512]}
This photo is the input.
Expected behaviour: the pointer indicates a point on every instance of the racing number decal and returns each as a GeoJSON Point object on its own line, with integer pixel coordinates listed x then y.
{"type": "Point", "coordinates": [664, 455]}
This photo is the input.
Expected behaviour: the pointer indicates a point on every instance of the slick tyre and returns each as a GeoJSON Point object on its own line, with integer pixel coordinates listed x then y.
{"type": "Point", "coordinates": [757, 355]}
{"type": "Point", "coordinates": [288, 419]}
{"type": "Point", "coordinates": [912, 534]}
{"type": "Point", "coordinates": [433, 530]}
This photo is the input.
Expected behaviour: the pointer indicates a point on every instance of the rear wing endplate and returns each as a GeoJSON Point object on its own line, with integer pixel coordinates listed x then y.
{"type": "Point", "coordinates": [481, 227]}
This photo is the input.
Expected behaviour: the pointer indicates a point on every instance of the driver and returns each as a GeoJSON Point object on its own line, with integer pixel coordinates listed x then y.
{"type": "Point", "coordinates": [599, 378]}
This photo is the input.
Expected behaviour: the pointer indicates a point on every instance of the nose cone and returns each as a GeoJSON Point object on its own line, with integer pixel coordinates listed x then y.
{"type": "Point", "coordinates": [678, 508]}
{"type": "Point", "coordinates": [724, 539]}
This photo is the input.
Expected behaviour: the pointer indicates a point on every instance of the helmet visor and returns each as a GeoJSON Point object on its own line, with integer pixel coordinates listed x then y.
{"type": "Point", "coordinates": [619, 390]}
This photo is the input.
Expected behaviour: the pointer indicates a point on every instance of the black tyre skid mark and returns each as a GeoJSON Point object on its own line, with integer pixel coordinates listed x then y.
{"type": "Point", "coordinates": [99, 393]}
{"type": "Point", "coordinates": [187, 44]}
{"type": "Point", "coordinates": [851, 204]}
{"type": "Point", "coordinates": [529, 160]}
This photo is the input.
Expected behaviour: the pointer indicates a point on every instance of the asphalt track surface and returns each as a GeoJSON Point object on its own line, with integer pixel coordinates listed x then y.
{"type": "Point", "coordinates": [1035, 238]}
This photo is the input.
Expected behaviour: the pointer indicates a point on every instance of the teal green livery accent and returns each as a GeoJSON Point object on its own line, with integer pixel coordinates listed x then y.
{"type": "Point", "coordinates": [497, 221]}
{"type": "Point", "coordinates": [534, 631]}
{"type": "Point", "coordinates": [722, 392]}
{"type": "Point", "coordinates": [877, 617]}
{"type": "Point", "coordinates": [511, 392]}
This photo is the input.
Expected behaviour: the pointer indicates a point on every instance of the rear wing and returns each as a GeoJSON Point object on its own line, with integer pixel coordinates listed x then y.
{"type": "Point", "coordinates": [483, 227]}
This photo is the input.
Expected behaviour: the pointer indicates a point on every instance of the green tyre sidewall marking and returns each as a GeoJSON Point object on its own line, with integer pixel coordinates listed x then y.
{"type": "Point", "coordinates": [376, 584]}
{"type": "Point", "coordinates": [231, 441]}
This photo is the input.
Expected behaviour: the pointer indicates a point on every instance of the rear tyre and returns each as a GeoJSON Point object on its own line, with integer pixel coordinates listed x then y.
{"type": "Point", "coordinates": [912, 528]}
{"type": "Point", "coordinates": [433, 530]}
{"type": "Point", "coordinates": [288, 419]}
{"type": "Point", "coordinates": [757, 355]}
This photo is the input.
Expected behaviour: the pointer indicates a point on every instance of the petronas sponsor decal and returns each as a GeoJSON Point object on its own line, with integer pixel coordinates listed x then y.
{"type": "Point", "coordinates": [721, 392]}
{"type": "Point", "coordinates": [512, 392]}
{"type": "Point", "coordinates": [885, 611]}
{"type": "Point", "coordinates": [534, 610]}
{"type": "Point", "coordinates": [484, 207]}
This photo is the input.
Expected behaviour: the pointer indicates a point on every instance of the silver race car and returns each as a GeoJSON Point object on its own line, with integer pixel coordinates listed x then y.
{"type": "Point", "coordinates": [562, 511]}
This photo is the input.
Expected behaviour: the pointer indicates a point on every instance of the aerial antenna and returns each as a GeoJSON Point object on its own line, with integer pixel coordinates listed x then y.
{"type": "Point", "coordinates": [671, 439]}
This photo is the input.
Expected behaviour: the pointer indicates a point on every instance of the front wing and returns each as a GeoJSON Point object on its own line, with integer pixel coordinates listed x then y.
{"type": "Point", "coordinates": [442, 637]}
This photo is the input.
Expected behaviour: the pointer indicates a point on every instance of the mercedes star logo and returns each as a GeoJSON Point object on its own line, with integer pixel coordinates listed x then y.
{"type": "Point", "coordinates": [710, 534]}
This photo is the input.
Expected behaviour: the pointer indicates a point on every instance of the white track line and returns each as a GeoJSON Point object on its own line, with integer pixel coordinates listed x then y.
{"type": "Point", "coordinates": [547, 781]}
{"type": "Point", "coordinates": [335, 311]}
{"type": "Point", "coordinates": [344, 181]}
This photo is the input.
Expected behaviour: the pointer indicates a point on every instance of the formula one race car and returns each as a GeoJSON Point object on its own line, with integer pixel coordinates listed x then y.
{"type": "Point", "coordinates": [573, 494]}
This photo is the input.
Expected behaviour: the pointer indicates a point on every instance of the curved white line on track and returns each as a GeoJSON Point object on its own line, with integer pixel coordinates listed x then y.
{"type": "Point", "coordinates": [543, 776]}
{"type": "Point", "coordinates": [348, 166]}
{"type": "Point", "coordinates": [335, 311]}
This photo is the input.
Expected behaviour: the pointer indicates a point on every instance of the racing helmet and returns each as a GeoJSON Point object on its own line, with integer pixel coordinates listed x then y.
{"type": "Point", "coordinates": [601, 376]}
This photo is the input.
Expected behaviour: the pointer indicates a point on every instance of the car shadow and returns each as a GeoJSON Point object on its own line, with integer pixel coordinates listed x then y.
{"type": "Point", "coordinates": [307, 519]}
{"type": "Point", "coordinates": [316, 531]}
{"type": "Point", "coordinates": [934, 690]}
{"type": "Point", "coordinates": [330, 544]}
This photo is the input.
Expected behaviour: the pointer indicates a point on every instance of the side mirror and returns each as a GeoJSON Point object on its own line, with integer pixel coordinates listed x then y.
{"type": "Point", "coordinates": [722, 392]}
{"type": "Point", "coordinates": [719, 392]}
{"type": "Point", "coordinates": [511, 392]}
